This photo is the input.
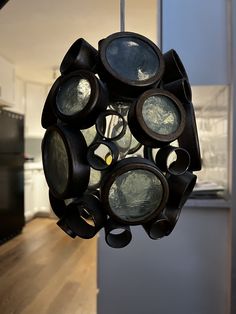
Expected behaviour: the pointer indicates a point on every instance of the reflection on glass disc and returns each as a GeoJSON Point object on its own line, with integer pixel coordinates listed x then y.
{"type": "Point", "coordinates": [73, 96]}
{"type": "Point", "coordinates": [95, 177]}
{"type": "Point", "coordinates": [89, 134]}
{"type": "Point", "coordinates": [132, 58]}
{"type": "Point", "coordinates": [56, 164]}
{"type": "Point", "coordinates": [135, 145]}
{"type": "Point", "coordinates": [161, 114]}
{"type": "Point", "coordinates": [135, 195]}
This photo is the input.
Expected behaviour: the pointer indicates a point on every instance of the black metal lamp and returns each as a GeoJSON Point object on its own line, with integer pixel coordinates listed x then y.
{"type": "Point", "coordinates": [96, 127]}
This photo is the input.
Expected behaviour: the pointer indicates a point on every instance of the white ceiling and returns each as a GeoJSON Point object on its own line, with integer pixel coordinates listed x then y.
{"type": "Point", "coordinates": [35, 35]}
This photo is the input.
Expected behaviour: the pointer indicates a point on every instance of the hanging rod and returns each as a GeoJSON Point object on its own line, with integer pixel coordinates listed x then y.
{"type": "Point", "coordinates": [122, 15]}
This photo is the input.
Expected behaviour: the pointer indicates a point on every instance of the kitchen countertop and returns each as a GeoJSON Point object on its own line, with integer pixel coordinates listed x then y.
{"type": "Point", "coordinates": [33, 165]}
{"type": "Point", "coordinates": [207, 203]}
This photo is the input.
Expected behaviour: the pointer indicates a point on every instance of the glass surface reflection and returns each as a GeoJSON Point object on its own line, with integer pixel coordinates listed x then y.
{"type": "Point", "coordinates": [132, 59]}
{"type": "Point", "coordinates": [73, 96]}
{"type": "Point", "coordinates": [135, 194]}
{"type": "Point", "coordinates": [161, 115]}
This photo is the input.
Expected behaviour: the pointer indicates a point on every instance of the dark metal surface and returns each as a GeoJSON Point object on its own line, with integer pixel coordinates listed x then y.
{"type": "Point", "coordinates": [11, 174]}
{"type": "Point", "coordinates": [96, 161]}
{"type": "Point", "coordinates": [101, 122]}
{"type": "Point", "coordinates": [2, 3]}
{"type": "Point", "coordinates": [181, 89]}
{"type": "Point", "coordinates": [79, 170]}
{"type": "Point", "coordinates": [81, 55]}
{"type": "Point", "coordinates": [174, 68]}
{"type": "Point", "coordinates": [177, 167]}
{"type": "Point", "coordinates": [58, 205]}
{"type": "Point", "coordinates": [180, 187]}
{"type": "Point", "coordinates": [189, 138]}
{"type": "Point", "coordinates": [75, 222]}
{"type": "Point", "coordinates": [158, 228]}
{"type": "Point", "coordinates": [11, 132]}
{"type": "Point", "coordinates": [121, 238]}
{"type": "Point", "coordinates": [48, 117]}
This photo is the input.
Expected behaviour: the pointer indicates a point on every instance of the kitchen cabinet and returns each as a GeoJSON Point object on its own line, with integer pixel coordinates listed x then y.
{"type": "Point", "coordinates": [36, 192]}
{"type": "Point", "coordinates": [186, 272]}
{"type": "Point", "coordinates": [198, 31]}
{"type": "Point", "coordinates": [29, 195]}
{"type": "Point", "coordinates": [7, 82]}
{"type": "Point", "coordinates": [42, 205]}
{"type": "Point", "coordinates": [35, 98]}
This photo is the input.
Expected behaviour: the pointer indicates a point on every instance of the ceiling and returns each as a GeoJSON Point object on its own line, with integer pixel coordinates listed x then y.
{"type": "Point", "coordinates": [35, 35]}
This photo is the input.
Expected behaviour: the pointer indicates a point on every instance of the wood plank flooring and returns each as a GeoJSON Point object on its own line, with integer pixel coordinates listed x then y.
{"type": "Point", "coordinates": [43, 271]}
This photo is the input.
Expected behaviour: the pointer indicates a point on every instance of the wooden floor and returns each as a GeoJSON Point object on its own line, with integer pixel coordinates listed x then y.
{"type": "Point", "coordinates": [45, 271]}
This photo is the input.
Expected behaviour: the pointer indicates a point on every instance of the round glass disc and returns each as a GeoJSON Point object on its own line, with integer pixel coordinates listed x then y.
{"type": "Point", "coordinates": [132, 58]}
{"type": "Point", "coordinates": [56, 164]}
{"type": "Point", "coordinates": [73, 96]}
{"type": "Point", "coordinates": [161, 114]}
{"type": "Point", "coordinates": [135, 195]}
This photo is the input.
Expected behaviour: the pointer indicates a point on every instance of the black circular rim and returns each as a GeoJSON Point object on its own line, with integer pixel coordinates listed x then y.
{"type": "Point", "coordinates": [179, 166]}
{"type": "Point", "coordinates": [120, 240]}
{"type": "Point", "coordinates": [151, 134]}
{"type": "Point", "coordinates": [187, 89]}
{"type": "Point", "coordinates": [134, 149]}
{"type": "Point", "coordinates": [58, 205]}
{"type": "Point", "coordinates": [71, 55]}
{"type": "Point", "coordinates": [101, 164]}
{"type": "Point", "coordinates": [93, 99]}
{"type": "Point", "coordinates": [48, 117]}
{"type": "Point", "coordinates": [181, 186]}
{"type": "Point", "coordinates": [100, 122]}
{"type": "Point", "coordinates": [179, 64]}
{"type": "Point", "coordinates": [73, 159]}
{"type": "Point", "coordinates": [158, 228]}
{"type": "Point", "coordinates": [183, 163]}
{"type": "Point", "coordinates": [105, 43]}
{"type": "Point", "coordinates": [123, 166]}
{"type": "Point", "coordinates": [74, 223]}
{"type": "Point", "coordinates": [70, 170]}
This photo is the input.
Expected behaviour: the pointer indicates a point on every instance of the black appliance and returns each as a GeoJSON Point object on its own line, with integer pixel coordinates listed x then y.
{"type": "Point", "coordinates": [11, 174]}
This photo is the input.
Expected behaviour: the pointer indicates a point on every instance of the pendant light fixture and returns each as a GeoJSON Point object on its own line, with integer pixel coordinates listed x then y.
{"type": "Point", "coordinates": [104, 116]}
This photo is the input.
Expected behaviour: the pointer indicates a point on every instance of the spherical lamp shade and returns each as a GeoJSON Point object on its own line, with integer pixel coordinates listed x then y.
{"type": "Point", "coordinates": [121, 140]}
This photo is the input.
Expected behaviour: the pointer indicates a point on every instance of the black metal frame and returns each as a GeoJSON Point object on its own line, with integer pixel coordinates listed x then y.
{"type": "Point", "coordinates": [81, 55]}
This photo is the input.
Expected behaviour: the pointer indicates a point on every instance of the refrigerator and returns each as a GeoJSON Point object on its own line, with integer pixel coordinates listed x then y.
{"type": "Point", "coordinates": [11, 174]}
